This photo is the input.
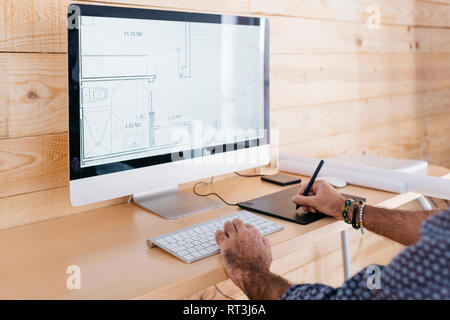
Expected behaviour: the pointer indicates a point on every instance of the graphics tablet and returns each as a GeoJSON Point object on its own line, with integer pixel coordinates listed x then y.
{"type": "Point", "coordinates": [280, 205]}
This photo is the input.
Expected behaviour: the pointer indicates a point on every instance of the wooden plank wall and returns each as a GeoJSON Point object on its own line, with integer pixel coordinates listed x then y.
{"type": "Point", "coordinates": [336, 87]}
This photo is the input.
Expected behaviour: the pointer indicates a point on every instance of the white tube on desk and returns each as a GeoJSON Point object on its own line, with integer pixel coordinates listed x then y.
{"type": "Point", "coordinates": [378, 178]}
{"type": "Point", "coordinates": [351, 177]}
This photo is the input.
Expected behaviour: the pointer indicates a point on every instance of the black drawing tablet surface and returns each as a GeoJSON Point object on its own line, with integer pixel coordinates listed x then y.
{"type": "Point", "coordinates": [280, 205]}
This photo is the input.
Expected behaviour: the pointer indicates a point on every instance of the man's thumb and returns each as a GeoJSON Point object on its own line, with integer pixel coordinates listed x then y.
{"type": "Point", "coordinates": [304, 201]}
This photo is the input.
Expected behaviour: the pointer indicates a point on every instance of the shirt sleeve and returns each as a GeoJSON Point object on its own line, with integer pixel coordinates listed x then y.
{"type": "Point", "coordinates": [419, 272]}
{"type": "Point", "coordinates": [308, 292]}
{"type": "Point", "coordinates": [355, 288]}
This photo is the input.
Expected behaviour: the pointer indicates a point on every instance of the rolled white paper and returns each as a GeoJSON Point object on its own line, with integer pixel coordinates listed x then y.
{"type": "Point", "coordinates": [351, 177]}
{"type": "Point", "coordinates": [372, 177]}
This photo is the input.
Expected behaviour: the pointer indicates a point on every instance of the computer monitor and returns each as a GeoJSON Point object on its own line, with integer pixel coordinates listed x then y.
{"type": "Point", "coordinates": [159, 98]}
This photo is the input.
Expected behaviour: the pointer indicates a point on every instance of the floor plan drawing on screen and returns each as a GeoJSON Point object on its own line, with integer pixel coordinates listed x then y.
{"type": "Point", "coordinates": [142, 82]}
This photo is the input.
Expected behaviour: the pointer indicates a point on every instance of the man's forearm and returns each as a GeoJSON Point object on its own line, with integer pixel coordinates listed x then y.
{"type": "Point", "coordinates": [262, 285]}
{"type": "Point", "coordinates": [399, 225]}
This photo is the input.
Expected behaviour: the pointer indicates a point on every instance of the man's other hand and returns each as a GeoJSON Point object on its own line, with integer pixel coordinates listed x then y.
{"type": "Point", "coordinates": [244, 251]}
{"type": "Point", "coordinates": [321, 197]}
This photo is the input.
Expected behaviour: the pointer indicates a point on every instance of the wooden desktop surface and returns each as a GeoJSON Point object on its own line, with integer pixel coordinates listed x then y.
{"type": "Point", "coordinates": [109, 245]}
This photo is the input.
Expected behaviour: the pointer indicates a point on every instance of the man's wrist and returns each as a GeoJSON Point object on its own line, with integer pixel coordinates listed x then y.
{"type": "Point", "coordinates": [350, 210]}
{"type": "Point", "coordinates": [264, 285]}
{"type": "Point", "coordinates": [339, 208]}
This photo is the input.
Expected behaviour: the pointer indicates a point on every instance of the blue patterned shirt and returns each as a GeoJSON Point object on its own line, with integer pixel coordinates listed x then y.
{"type": "Point", "coordinates": [421, 271]}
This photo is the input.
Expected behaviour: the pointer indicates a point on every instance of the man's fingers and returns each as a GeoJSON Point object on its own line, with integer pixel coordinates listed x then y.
{"type": "Point", "coordinates": [220, 237]}
{"type": "Point", "coordinates": [302, 188]}
{"type": "Point", "coordinates": [238, 224]}
{"type": "Point", "coordinates": [317, 184]}
{"type": "Point", "coordinates": [266, 241]}
{"type": "Point", "coordinates": [249, 226]}
{"type": "Point", "coordinates": [309, 209]}
{"type": "Point", "coordinates": [252, 229]}
{"type": "Point", "coordinates": [229, 228]}
{"type": "Point", "coordinates": [308, 201]}
{"type": "Point", "coordinates": [300, 194]}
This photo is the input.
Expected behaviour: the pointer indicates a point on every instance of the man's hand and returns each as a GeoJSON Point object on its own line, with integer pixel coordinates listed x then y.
{"type": "Point", "coordinates": [321, 197]}
{"type": "Point", "coordinates": [247, 257]}
{"type": "Point", "coordinates": [244, 250]}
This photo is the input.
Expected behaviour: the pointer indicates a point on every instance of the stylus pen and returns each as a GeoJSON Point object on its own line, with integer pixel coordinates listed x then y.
{"type": "Point", "coordinates": [311, 182]}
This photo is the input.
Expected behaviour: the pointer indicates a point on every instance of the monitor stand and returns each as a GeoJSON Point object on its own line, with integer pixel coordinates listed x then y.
{"type": "Point", "coordinates": [172, 203]}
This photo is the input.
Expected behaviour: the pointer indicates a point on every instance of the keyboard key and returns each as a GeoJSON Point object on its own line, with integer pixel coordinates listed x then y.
{"type": "Point", "coordinates": [170, 239]}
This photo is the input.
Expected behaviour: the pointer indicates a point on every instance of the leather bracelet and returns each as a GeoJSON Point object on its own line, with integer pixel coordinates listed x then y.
{"type": "Point", "coordinates": [345, 211]}
{"type": "Point", "coordinates": [355, 213]}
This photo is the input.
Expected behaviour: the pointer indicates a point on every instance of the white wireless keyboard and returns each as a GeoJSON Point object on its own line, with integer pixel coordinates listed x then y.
{"type": "Point", "coordinates": [199, 241]}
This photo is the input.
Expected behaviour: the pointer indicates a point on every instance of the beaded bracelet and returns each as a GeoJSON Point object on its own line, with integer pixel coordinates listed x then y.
{"type": "Point", "coordinates": [355, 213]}
{"type": "Point", "coordinates": [361, 213]}
{"type": "Point", "coordinates": [345, 211]}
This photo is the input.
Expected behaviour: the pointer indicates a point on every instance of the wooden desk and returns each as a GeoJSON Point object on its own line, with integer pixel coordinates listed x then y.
{"type": "Point", "coordinates": [109, 245]}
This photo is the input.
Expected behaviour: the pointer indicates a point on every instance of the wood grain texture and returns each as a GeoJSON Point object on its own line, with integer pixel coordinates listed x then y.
{"type": "Point", "coordinates": [298, 80]}
{"type": "Point", "coordinates": [35, 87]}
{"type": "Point", "coordinates": [33, 163]}
{"type": "Point", "coordinates": [43, 205]}
{"type": "Point", "coordinates": [4, 105]}
{"type": "Point", "coordinates": [300, 123]}
{"type": "Point", "coordinates": [402, 12]}
{"type": "Point", "coordinates": [406, 139]}
{"type": "Point", "coordinates": [308, 36]}
{"type": "Point", "coordinates": [437, 140]}
{"type": "Point", "coordinates": [439, 1]}
{"type": "Point", "coordinates": [32, 26]}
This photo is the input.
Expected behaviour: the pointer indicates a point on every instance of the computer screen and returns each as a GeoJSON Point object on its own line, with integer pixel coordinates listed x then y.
{"type": "Point", "coordinates": [152, 87]}
{"type": "Point", "coordinates": [158, 98]}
